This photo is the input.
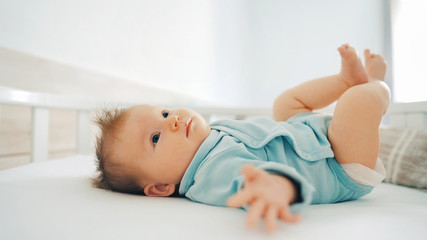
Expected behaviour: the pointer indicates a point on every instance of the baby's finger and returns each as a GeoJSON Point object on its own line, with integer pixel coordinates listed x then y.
{"type": "Point", "coordinates": [250, 172]}
{"type": "Point", "coordinates": [271, 219]}
{"type": "Point", "coordinates": [255, 213]}
{"type": "Point", "coordinates": [287, 216]}
{"type": "Point", "coordinates": [239, 199]}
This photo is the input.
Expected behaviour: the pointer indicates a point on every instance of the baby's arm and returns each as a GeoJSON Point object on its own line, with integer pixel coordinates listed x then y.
{"type": "Point", "coordinates": [267, 195]}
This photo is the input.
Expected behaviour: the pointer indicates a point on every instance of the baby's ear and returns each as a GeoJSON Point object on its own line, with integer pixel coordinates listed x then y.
{"type": "Point", "coordinates": [159, 190]}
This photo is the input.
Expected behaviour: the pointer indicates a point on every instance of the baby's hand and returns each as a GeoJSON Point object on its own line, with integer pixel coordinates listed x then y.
{"type": "Point", "coordinates": [268, 195]}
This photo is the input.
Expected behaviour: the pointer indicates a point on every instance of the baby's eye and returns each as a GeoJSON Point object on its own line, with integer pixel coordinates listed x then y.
{"type": "Point", "coordinates": [155, 139]}
{"type": "Point", "coordinates": [165, 114]}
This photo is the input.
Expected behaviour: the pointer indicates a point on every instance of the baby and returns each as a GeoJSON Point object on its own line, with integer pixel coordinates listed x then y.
{"type": "Point", "coordinates": [270, 167]}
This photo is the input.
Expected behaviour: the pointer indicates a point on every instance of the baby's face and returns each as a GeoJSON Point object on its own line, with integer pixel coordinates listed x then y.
{"type": "Point", "coordinates": [158, 144]}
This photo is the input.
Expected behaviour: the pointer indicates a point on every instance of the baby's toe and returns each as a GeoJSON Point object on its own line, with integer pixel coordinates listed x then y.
{"type": "Point", "coordinates": [367, 53]}
{"type": "Point", "coordinates": [347, 51]}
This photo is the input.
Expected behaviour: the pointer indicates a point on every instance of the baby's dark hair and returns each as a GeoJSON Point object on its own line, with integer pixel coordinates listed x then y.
{"type": "Point", "coordinates": [111, 175]}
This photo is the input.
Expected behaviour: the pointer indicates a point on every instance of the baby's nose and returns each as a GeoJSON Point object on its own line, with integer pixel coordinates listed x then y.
{"type": "Point", "coordinates": [174, 123]}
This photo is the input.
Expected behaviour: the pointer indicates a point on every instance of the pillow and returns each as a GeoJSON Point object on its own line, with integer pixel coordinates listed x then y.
{"type": "Point", "coordinates": [404, 153]}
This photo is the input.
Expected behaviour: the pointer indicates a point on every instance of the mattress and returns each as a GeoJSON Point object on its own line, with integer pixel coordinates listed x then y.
{"type": "Point", "coordinates": [55, 200]}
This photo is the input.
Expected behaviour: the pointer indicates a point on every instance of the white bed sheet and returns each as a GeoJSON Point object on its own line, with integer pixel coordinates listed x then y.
{"type": "Point", "coordinates": [55, 200]}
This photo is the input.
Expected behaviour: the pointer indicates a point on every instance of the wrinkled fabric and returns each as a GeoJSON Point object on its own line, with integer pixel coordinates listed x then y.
{"type": "Point", "coordinates": [297, 149]}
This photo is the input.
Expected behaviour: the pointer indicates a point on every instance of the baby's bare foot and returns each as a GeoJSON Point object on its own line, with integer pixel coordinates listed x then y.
{"type": "Point", "coordinates": [352, 71]}
{"type": "Point", "coordinates": [375, 66]}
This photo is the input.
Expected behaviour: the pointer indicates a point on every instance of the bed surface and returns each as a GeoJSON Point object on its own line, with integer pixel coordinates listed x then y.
{"type": "Point", "coordinates": [55, 200]}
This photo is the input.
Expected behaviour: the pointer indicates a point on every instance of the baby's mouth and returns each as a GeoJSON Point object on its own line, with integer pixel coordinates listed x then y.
{"type": "Point", "coordinates": [188, 124]}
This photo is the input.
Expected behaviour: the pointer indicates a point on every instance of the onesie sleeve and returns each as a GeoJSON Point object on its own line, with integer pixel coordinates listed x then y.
{"type": "Point", "coordinates": [219, 177]}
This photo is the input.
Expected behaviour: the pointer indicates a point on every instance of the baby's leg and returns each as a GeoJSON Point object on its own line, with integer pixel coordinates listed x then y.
{"type": "Point", "coordinates": [319, 93]}
{"type": "Point", "coordinates": [354, 129]}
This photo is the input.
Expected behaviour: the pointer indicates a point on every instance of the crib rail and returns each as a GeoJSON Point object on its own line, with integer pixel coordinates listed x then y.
{"type": "Point", "coordinates": [41, 103]}
{"type": "Point", "coordinates": [401, 115]}
{"type": "Point", "coordinates": [409, 115]}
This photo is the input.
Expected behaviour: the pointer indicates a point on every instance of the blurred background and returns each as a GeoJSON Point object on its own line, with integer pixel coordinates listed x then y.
{"type": "Point", "coordinates": [236, 53]}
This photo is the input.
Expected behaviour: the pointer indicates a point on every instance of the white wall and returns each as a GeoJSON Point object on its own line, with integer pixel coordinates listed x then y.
{"type": "Point", "coordinates": [234, 52]}
{"type": "Point", "coordinates": [313, 33]}
{"type": "Point", "coordinates": [409, 50]}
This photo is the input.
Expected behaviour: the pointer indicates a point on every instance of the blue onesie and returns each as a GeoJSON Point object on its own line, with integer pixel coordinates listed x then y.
{"type": "Point", "coordinates": [297, 149]}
